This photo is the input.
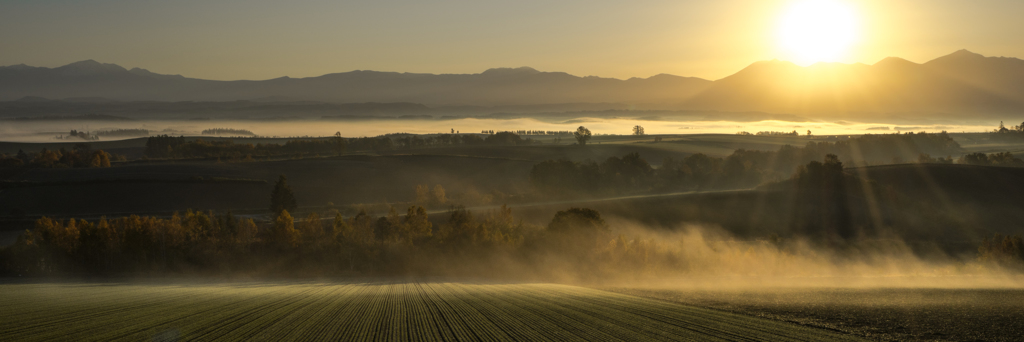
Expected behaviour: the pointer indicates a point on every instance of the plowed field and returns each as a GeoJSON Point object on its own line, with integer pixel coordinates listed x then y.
{"type": "Point", "coordinates": [364, 312]}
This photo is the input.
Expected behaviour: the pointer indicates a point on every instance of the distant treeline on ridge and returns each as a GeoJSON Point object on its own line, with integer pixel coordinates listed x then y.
{"type": "Point", "coordinates": [228, 131]}
{"type": "Point", "coordinates": [743, 168]}
{"type": "Point", "coordinates": [164, 146]}
{"type": "Point", "coordinates": [123, 132]}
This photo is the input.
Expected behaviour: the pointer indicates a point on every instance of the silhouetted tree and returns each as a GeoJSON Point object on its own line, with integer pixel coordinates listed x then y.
{"type": "Point", "coordinates": [577, 220]}
{"type": "Point", "coordinates": [578, 234]}
{"type": "Point", "coordinates": [1002, 128]}
{"type": "Point", "coordinates": [638, 130]}
{"type": "Point", "coordinates": [582, 134]}
{"type": "Point", "coordinates": [23, 156]}
{"type": "Point", "coordinates": [339, 143]}
{"type": "Point", "coordinates": [974, 159]}
{"type": "Point", "coordinates": [282, 198]}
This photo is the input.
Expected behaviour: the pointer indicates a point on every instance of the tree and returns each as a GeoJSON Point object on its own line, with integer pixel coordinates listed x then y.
{"type": "Point", "coordinates": [638, 130]}
{"type": "Point", "coordinates": [339, 143]}
{"type": "Point", "coordinates": [423, 195]}
{"type": "Point", "coordinates": [416, 225]}
{"type": "Point", "coordinates": [582, 134]}
{"type": "Point", "coordinates": [284, 234]}
{"type": "Point", "coordinates": [833, 165]}
{"type": "Point", "coordinates": [23, 156]}
{"type": "Point", "coordinates": [312, 230]}
{"type": "Point", "coordinates": [577, 220]}
{"type": "Point", "coordinates": [282, 198]}
{"type": "Point", "coordinates": [439, 195]}
{"type": "Point", "coordinates": [578, 232]}
{"type": "Point", "coordinates": [100, 158]}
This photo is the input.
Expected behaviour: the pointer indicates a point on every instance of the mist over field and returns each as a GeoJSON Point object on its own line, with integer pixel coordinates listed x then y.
{"type": "Point", "coordinates": [50, 131]}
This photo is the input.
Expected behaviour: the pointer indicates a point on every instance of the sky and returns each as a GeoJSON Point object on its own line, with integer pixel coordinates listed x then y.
{"type": "Point", "coordinates": [260, 39]}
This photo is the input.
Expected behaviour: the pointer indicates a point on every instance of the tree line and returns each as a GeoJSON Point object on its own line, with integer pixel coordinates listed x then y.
{"type": "Point", "coordinates": [772, 133]}
{"type": "Point", "coordinates": [528, 132]}
{"type": "Point", "coordinates": [81, 155]}
{"type": "Point", "coordinates": [165, 146]}
{"type": "Point", "coordinates": [575, 243]}
{"type": "Point", "coordinates": [227, 131]}
{"type": "Point", "coordinates": [742, 169]}
{"type": "Point", "coordinates": [1006, 251]}
{"type": "Point", "coordinates": [994, 159]}
{"type": "Point", "coordinates": [123, 132]}
{"type": "Point", "coordinates": [364, 244]}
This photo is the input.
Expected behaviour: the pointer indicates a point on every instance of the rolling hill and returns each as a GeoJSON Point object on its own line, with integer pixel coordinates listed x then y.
{"type": "Point", "coordinates": [959, 83]}
{"type": "Point", "coordinates": [501, 86]}
{"type": "Point", "coordinates": [962, 82]}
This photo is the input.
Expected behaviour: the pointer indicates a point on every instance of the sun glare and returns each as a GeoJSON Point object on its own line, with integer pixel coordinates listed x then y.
{"type": "Point", "coordinates": [812, 31]}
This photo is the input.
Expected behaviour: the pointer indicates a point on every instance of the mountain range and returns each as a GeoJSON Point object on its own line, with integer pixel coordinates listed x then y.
{"type": "Point", "coordinates": [959, 83]}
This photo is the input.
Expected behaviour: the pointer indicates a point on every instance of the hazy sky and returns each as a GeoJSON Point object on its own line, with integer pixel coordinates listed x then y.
{"type": "Point", "coordinates": [259, 39]}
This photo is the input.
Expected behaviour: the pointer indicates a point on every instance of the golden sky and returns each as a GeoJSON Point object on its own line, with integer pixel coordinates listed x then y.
{"type": "Point", "coordinates": [257, 39]}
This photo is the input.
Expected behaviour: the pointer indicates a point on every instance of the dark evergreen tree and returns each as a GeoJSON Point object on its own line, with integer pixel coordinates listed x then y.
{"type": "Point", "coordinates": [23, 156]}
{"type": "Point", "coordinates": [282, 198]}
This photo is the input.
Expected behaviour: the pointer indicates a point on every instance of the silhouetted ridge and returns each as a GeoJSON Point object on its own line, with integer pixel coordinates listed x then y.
{"type": "Point", "coordinates": [147, 73]}
{"type": "Point", "coordinates": [510, 71]}
{"type": "Point", "coordinates": [91, 67]}
{"type": "Point", "coordinates": [894, 62]}
{"type": "Point", "coordinates": [964, 53]}
{"type": "Point", "coordinates": [960, 83]}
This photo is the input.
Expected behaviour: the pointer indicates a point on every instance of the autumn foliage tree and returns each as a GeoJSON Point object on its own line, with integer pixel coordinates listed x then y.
{"type": "Point", "coordinates": [398, 243]}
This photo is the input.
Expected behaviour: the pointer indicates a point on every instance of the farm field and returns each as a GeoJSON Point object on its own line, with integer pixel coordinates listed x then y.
{"type": "Point", "coordinates": [375, 311]}
{"type": "Point", "coordinates": [887, 314]}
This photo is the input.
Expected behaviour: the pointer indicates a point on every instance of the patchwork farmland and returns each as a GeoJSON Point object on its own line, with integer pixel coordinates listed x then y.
{"type": "Point", "coordinates": [364, 312]}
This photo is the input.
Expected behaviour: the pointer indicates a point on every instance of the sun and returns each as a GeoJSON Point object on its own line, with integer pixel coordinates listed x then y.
{"type": "Point", "coordinates": [812, 31]}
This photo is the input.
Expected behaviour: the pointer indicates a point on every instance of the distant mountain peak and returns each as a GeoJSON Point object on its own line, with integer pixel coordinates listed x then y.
{"type": "Point", "coordinates": [89, 63]}
{"type": "Point", "coordinates": [91, 67]}
{"type": "Point", "coordinates": [959, 57]}
{"type": "Point", "coordinates": [965, 53]}
{"type": "Point", "coordinates": [894, 62]}
{"type": "Point", "coordinates": [511, 71]}
{"type": "Point", "coordinates": [768, 66]}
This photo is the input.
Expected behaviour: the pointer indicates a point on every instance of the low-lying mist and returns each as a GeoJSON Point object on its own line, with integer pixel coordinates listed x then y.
{"type": "Point", "coordinates": [52, 130]}
{"type": "Point", "coordinates": [701, 256]}
{"type": "Point", "coordinates": [577, 246]}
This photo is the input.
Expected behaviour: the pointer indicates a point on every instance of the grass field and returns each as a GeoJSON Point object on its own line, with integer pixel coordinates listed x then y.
{"type": "Point", "coordinates": [887, 314]}
{"type": "Point", "coordinates": [379, 312]}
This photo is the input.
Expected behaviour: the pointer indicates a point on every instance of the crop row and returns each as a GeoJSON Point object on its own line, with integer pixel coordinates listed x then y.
{"type": "Point", "coordinates": [367, 312]}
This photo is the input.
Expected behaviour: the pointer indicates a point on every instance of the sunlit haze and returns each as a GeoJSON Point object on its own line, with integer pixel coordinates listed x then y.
{"type": "Point", "coordinates": [260, 39]}
{"type": "Point", "coordinates": [818, 31]}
